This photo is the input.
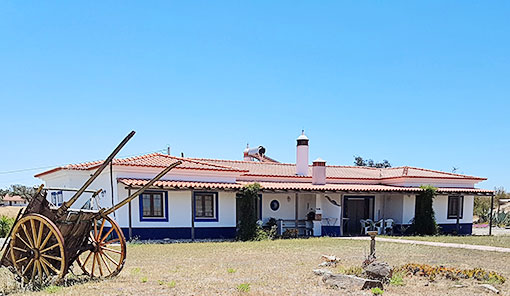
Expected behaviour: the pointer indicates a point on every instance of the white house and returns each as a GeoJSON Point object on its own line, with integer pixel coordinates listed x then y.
{"type": "Point", "coordinates": [197, 199]}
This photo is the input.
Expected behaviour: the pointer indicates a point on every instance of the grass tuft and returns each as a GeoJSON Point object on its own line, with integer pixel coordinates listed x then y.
{"type": "Point", "coordinates": [397, 279]}
{"type": "Point", "coordinates": [144, 279]}
{"type": "Point", "coordinates": [231, 270]}
{"type": "Point", "coordinates": [243, 287]}
{"type": "Point", "coordinates": [52, 289]}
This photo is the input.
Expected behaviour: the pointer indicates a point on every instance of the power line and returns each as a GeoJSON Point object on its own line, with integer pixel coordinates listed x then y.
{"type": "Point", "coordinates": [53, 166]}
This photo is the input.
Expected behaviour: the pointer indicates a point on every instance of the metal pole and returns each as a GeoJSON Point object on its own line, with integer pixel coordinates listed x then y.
{"type": "Point", "coordinates": [111, 187]}
{"type": "Point", "coordinates": [490, 219]}
{"type": "Point", "coordinates": [130, 234]}
{"type": "Point", "coordinates": [297, 214]}
{"type": "Point", "coordinates": [192, 217]}
{"type": "Point", "coordinates": [458, 214]}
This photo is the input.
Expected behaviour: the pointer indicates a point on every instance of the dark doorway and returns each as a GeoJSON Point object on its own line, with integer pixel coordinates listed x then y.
{"type": "Point", "coordinates": [355, 209]}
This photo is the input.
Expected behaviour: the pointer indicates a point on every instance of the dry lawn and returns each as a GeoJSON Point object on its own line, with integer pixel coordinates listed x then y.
{"type": "Point", "coordinates": [281, 267]}
{"type": "Point", "coordinates": [9, 211]}
{"type": "Point", "coordinates": [496, 241]}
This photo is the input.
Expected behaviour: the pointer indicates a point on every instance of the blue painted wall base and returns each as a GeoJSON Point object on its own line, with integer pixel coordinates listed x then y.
{"type": "Point", "coordinates": [330, 230]}
{"type": "Point", "coordinates": [181, 233]}
{"type": "Point", "coordinates": [464, 229]}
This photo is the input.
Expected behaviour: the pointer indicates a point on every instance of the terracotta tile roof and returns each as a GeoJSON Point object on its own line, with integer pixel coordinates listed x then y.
{"type": "Point", "coordinates": [13, 198]}
{"type": "Point", "coordinates": [156, 160]}
{"type": "Point", "coordinates": [334, 171]}
{"type": "Point", "coordinates": [295, 186]}
{"type": "Point", "coordinates": [268, 169]}
{"type": "Point", "coordinates": [180, 184]}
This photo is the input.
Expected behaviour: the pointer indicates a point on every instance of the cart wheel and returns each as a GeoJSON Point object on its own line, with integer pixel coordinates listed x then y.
{"type": "Point", "coordinates": [108, 250]}
{"type": "Point", "coordinates": [37, 250]}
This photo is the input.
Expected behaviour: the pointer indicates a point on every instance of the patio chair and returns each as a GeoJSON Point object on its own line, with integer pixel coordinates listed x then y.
{"type": "Point", "coordinates": [388, 226]}
{"type": "Point", "coordinates": [379, 226]}
{"type": "Point", "coordinates": [366, 225]}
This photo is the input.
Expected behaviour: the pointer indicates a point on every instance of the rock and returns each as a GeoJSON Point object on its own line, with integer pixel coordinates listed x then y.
{"type": "Point", "coordinates": [459, 286]}
{"type": "Point", "coordinates": [378, 271]}
{"type": "Point", "coordinates": [325, 264]}
{"type": "Point", "coordinates": [328, 258]}
{"type": "Point", "coordinates": [351, 282]}
{"type": "Point", "coordinates": [321, 271]}
{"type": "Point", "coordinates": [490, 288]}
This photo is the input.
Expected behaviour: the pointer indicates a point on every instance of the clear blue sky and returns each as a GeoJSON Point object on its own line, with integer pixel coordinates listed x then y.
{"type": "Point", "coordinates": [421, 84]}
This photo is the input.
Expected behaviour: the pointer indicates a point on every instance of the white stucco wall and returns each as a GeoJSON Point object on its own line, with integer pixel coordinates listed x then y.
{"type": "Point", "coordinates": [286, 210]}
{"type": "Point", "coordinates": [440, 207]}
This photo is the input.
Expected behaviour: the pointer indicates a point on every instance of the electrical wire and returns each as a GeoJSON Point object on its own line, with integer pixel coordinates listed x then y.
{"type": "Point", "coordinates": [53, 166]}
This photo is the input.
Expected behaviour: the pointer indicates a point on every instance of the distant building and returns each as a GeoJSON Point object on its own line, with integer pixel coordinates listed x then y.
{"type": "Point", "coordinates": [199, 197]}
{"type": "Point", "coordinates": [9, 200]}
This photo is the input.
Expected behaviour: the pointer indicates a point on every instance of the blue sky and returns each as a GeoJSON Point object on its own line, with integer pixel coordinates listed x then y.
{"type": "Point", "coordinates": [421, 84]}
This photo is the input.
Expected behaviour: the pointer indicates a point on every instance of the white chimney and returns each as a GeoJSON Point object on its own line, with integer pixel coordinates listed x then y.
{"type": "Point", "coordinates": [319, 172]}
{"type": "Point", "coordinates": [302, 155]}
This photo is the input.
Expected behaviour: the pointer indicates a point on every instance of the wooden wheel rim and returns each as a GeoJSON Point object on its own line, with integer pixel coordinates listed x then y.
{"type": "Point", "coordinates": [35, 246]}
{"type": "Point", "coordinates": [103, 265]}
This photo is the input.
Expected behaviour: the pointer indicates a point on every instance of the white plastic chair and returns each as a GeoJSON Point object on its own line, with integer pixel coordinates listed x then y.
{"type": "Point", "coordinates": [379, 225]}
{"type": "Point", "coordinates": [366, 225]}
{"type": "Point", "coordinates": [388, 226]}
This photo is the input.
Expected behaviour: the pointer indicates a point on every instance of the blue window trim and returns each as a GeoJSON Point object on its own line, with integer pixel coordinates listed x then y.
{"type": "Point", "coordinates": [216, 204]}
{"type": "Point", "coordinates": [165, 205]}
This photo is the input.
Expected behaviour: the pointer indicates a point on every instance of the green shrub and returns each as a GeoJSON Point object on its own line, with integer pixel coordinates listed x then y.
{"type": "Point", "coordinates": [231, 270]}
{"type": "Point", "coordinates": [248, 228]}
{"type": "Point", "coordinates": [397, 279]}
{"type": "Point", "coordinates": [377, 291]}
{"type": "Point", "coordinates": [424, 222]}
{"type": "Point", "coordinates": [5, 225]}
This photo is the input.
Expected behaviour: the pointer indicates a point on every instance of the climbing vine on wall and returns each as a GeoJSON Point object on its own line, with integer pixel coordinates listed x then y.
{"type": "Point", "coordinates": [424, 222]}
{"type": "Point", "coordinates": [248, 218]}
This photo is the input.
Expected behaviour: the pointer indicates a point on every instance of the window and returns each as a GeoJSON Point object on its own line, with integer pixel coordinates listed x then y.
{"type": "Point", "coordinates": [275, 205]}
{"type": "Point", "coordinates": [57, 198]}
{"type": "Point", "coordinates": [454, 202]}
{"type": "Point", "coordinates": [206, 206]}
{"type": "Point", "coordinates": [153, 206]}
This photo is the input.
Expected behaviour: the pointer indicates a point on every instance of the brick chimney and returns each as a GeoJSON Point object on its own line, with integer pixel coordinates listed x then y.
{"type": "Point", "coordinates": [319, 172]}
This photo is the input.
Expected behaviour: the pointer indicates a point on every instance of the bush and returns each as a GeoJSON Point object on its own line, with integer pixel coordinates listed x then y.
{"type": "Point", "coordinates": [5, 225]}
{"type": "Point", "coordinates": [248, 228]}
{"type": "Point", "coordinates": [424, 222]}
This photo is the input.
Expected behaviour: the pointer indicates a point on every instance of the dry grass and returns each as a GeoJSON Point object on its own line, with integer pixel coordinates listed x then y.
{"type": "Point", "coordinates": [282, 267]}
{"type": "Point", "coordinates": [496, 241]}
{"type": "Point", "coordinates": [9, 211]}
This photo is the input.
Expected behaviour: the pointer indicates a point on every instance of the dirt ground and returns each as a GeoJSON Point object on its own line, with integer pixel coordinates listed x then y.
{"type": "Point", "coordinates": [9, 211]}
{"type": "Point", "coordinates": [281, 267]}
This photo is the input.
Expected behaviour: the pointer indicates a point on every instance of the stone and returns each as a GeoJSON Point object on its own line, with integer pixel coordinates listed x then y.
{"type": "Point", "coordinates": [321, 271]}
{"type": "Point", "coordinates": [350, 282]}
{"type": "Point", "coordinates": [325, 264]}
{"type": "Point", "coordinates": [328, 258]}
{"type": "Point", "coordinates": [489, 288]}
{"type": "Point", "coordinates": [378, 271]}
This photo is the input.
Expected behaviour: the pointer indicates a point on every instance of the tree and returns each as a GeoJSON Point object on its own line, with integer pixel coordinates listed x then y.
{"type": "Point", "coordinates": [359, 161]}
{"type": "Point", "coordinates": [424, 222]}
{"type": "Point", "coordinates": [248, 220]}
{"type": "Point", "coordinates": [18, 190]}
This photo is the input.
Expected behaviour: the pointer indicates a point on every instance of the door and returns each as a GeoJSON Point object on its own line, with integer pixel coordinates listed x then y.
{"type": "Point", "coordinates": [355, 209]}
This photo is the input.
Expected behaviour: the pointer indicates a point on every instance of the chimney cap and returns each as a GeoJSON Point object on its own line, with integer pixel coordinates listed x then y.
{"type": "Point", "coordinates": [302, 136]}
{"type": "Point", "coordinates": [319, 160]}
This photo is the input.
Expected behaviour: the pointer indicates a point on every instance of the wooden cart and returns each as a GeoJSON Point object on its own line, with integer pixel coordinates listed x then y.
{"type": "Point", "coordinates": [46, 240]}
